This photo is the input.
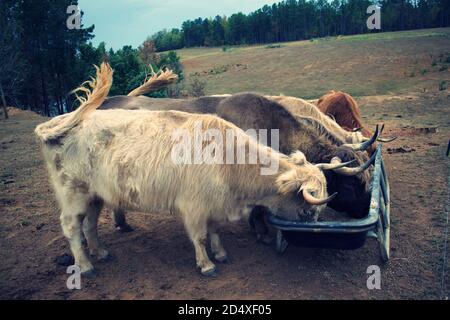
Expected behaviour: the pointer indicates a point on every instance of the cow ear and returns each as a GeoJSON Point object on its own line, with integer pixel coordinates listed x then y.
{"type": "Point", "coordinates": [288, 182]}
{"type": "Point", "coordinates": [298, 158]}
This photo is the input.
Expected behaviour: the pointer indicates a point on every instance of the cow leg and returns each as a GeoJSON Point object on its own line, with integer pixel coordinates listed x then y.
{"type": "Point", "coordinates": [90, 230]}
{"type": "Point", "coordinates": [74, 209]}
{"type": "Point", "coordinates": [216, 246]}
{"type": "Point", "coordinates": [198, 232]}
{"type": "Point", "coordinates": [120, 221]}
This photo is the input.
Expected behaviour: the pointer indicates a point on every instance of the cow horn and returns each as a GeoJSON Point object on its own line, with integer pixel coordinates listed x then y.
{"type": "Point", "coordinates": [315, 201]}
{"type": "Point", "coordinates": [333, 166]}
{"type": "Point", "coordinates": [353, 171]}
{"type": "Point", "coordinates": [365, 145]}
{"type": "Point", "coordinates": [387, 140]}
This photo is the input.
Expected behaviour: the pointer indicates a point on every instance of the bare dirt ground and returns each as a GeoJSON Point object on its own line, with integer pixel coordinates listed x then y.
{"type": "Point", "coordinates": [156, 261]}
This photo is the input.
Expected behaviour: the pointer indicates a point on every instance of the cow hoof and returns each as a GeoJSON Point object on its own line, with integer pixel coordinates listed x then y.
{"type": "Point", "coordinates": [124, 228]}
{"type": "Point", "coordinates": [267, 240]}
{"type": "Point", "coordinates": [101, 255]}
{"type": "Point", "coordinates": [222, 259]}
{"type": "Point", "coordinates": [107, 258]}
{"type": "Point", "coordinates": [209, 272]}
{"type": "Point", "coordinates": [65, 260]}
{"type": "Point", "coordinates": [90, 274]}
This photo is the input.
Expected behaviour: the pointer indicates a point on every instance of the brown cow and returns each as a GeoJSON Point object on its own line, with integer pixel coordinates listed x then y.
{"type": "Point", "coordinates": [345, 110]}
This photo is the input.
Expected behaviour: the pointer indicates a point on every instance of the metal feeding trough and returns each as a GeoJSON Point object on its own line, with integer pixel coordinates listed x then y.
{"type": "Point", "coordinates": [344, 235]}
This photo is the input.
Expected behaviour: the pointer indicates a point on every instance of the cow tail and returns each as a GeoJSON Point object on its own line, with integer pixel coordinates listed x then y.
{"type": "Point", "coordinates": [96, 91]}
{"type": "Point", "coordinates": [155, 83]}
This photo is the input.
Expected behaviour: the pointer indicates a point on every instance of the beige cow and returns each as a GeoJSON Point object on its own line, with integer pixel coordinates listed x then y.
{"type": "Point", "coordinates": [124, 159]}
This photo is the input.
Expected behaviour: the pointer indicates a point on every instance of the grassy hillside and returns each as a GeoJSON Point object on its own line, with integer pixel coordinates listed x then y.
{"type": "Point", "coordinates": [369, 64]}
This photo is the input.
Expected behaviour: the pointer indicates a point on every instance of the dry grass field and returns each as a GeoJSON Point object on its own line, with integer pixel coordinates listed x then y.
{"type": "Point", "coordinates": [363, 65]}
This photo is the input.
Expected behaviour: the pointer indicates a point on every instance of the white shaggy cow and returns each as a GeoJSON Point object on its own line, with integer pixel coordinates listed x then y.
{"type": "Point", "coordinates": [123, 159]}
{"type": "Point", "coordinates": [304, 110]}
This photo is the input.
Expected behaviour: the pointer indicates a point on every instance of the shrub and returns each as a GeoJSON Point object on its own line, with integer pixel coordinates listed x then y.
{"type": "Point", "coordinates": [197, 87]}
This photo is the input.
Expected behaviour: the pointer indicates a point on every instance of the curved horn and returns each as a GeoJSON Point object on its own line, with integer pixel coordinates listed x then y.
{"type": "Point", "coordinates": [333, 166]}
{"type": "Point", "coordinates": [354, 171]}
{"type": "Point", "coordinates": [365, 145]}
{"type": "Point", "coordinates": [315, 201]}
{"type": "Point", "coordinates": [357, 130]}
{"type": "Point", "coordinates": [387, 140]}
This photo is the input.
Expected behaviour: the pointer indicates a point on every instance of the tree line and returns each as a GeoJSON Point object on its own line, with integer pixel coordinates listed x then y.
{"type": "Point", "coordinates": [292, 20]}
{"type": "Point", "coordinates": [41, 60]}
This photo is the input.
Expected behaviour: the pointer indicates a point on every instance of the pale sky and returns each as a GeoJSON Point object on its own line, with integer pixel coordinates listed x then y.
{"type": "Point", "coordinates": [130, 22]}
